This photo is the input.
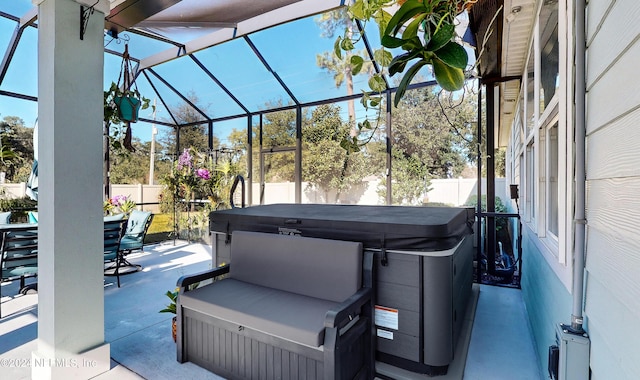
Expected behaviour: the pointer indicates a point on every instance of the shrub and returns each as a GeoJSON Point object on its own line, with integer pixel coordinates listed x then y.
{"type": "Point", "coordinates": [18, 208]}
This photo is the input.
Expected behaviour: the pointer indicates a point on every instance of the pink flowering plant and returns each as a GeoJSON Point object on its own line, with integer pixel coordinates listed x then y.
{"type": "Point", "coordinates": [119, 204]}
{"type": "Point", "coordinates": [197, 176]}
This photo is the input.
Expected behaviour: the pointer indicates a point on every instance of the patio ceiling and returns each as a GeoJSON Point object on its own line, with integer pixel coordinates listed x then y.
{"type": "Point", "coordinates": [241, 56]}
{"type": "Point", "coordinates": [244, 57]}
{"type": "Point", "coordinates": [505, 54]}
{"type": "Point", "coordinates": [193, 25]}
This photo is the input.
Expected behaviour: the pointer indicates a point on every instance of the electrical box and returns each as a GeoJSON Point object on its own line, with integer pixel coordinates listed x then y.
{"type": "Point", "coordinates": [569, 357]}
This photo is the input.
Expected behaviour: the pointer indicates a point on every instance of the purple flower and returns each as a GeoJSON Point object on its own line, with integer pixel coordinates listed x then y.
{"type": "Point", "coordinates": [203, 173]}
{"type": "Point", "coordinates": [118, 200]}
{"type": "Point", "coordinates": [184, 160]}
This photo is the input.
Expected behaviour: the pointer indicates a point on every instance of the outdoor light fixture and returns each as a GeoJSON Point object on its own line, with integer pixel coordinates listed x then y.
{"type": "Point", "coordinates": [514, 191]}
{"type": "Point", "coordinates": [514, 12]}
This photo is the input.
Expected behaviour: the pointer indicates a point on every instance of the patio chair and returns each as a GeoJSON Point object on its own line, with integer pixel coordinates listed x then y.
{"type": "Point", "coordinates": [137, 227]}
{"type": "Point", "coordinates": [32, 217]}
{"type": "Point", "coordinates": [133, 240]}
{"type": "Point", "coordinates": [19, 256]}
{"type": "Point", "coordinates": [113, 232]}
{"type": "Point", "coordinates": [5, 217]}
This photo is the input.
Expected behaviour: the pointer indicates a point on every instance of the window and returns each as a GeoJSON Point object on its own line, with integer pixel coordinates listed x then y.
{"type": "Point", "coordinates": [530, 118]}
{"type": "Point", "coordinates": [552, 180]}
{"type": "Point", "coordinates": [549, 57]}
{"type": "Point", "coordinates": [530, 210]}
{"type": "Point", "coordinates": [541, 182]}
{"type": "Point", "coordinates": [545, 149]}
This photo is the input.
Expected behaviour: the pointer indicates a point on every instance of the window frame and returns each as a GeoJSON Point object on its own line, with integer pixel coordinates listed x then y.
{"type": "Point", "coordinates": [533, 151]}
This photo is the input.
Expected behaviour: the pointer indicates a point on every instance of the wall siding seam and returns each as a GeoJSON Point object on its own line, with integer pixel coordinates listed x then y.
{"type": "Point", "coordinates": [601, 177]}
{"type": "Point", "coordinates": [606, 346]}
{"type": "Point", "coordinates": [612, 148]}
{"type": "Point", "coordinates": [625, 290]}
{"type": "Point", "coordinates": [613, 63]}
{"type": "Point", "coordinates": [613, 231]}
{"type": "Point", "coordinates": [609, 122]}
{"type": "Point", "coordinates": [598, 27]}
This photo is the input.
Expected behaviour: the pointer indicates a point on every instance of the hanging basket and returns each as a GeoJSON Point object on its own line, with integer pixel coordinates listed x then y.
{"type": "Point", "coordinates": [128, 108]}
{"type": "Point", "coordinates": [127, 98]}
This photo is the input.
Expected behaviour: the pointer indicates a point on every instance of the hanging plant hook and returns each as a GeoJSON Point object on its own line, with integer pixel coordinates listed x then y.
{"type": "Point", "coordinates": [84, 17]}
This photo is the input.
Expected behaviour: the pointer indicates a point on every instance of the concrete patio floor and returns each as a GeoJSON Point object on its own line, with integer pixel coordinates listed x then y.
{"type": "Point", "coordinates": [498, 337]}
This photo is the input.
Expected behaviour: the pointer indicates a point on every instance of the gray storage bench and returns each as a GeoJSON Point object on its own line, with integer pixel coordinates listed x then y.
{"type": "Point", "coordinates": [287, 307]}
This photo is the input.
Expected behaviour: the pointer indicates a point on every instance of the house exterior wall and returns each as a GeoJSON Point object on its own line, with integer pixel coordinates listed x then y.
{"type": "Point", "coordinates": [547, 300]}
{"type": "Point", "coordinates": [612, 302]}
{"type": "Point", "coordinates": [612, 285]}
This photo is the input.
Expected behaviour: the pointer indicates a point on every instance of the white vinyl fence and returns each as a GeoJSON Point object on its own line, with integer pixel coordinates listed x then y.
{"type": "Point", "coordinates": [453, 192]}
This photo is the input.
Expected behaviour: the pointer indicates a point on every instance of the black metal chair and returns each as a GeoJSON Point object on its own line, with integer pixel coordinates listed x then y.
{"type": "Point", "coordinates": [19, 256]}
{"type": "Point", "coordinates": [113, 233]}
{"type": "Point", "coordinates": [137, 226]}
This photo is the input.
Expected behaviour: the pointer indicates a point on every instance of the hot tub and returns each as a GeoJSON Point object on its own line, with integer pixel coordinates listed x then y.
{"type": "Point", "coordinates": [422, 276]}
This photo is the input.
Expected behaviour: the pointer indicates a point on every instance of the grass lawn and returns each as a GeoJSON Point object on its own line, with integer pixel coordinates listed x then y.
{"type": "Point", "coordinates": [161, 223]}
{"type": "Point", "coordinates": [161, 228]}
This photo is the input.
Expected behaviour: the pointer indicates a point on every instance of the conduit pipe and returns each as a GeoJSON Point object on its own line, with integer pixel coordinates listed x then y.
{"type": "Point", "coordinates": [580, 142]}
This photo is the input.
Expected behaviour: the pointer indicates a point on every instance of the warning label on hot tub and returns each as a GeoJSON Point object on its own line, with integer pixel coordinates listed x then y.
{"type": "Point", "coordinates": [385, 334]}
{"type": "Point", "coordinates": [386, 317]}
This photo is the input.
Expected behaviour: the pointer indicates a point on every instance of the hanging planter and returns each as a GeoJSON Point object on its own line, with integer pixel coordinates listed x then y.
{"type": "Point", "coordinates": [128, 108]}
{"type": "Point", "coordinates": [122, 101]}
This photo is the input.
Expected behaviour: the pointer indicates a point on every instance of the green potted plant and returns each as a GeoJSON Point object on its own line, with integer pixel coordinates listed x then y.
{"type": "Point", "coordinates": [420, 33]}
{"type": "Point", "coordinates": [171, 308]}
{"type": "Point", "coordinates": [118, 204]}
{"type": "Point", "coordinates": [423, 29]}
{"type": "Point", "coordinates": [123, 105]}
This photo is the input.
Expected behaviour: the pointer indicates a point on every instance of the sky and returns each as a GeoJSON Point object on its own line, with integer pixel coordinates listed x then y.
{"type": "Point", "coordinates": [290, 51]}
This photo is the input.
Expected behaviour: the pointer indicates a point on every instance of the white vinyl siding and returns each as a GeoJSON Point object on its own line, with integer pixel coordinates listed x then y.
{"type": "Point", "coordinates": [612, 299]}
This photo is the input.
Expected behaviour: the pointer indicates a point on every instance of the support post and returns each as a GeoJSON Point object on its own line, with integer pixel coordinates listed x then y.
{"type": "Point", "coordinates": [480, 241]}
{"type": "Point", "coordinates": [389, 150]}
{"type": "Point", "coordinates": [71, 341]}
{"type": "Point", "coordinates": [491, 183]}
{"type": "Point", "coordinates": [250, 161]}
{"type": "Point", "coordinates": [298, 157]}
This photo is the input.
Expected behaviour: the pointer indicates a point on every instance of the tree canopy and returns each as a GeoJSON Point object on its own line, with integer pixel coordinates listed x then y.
{"type": "Point", "coordinates": [191, 136]}
{"type": "Point", "coordinates": [16, 157]}
{"type": "Point", "coordinates": [326, 166]}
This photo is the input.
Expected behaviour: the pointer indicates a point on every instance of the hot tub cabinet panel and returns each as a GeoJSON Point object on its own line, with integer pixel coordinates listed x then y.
{"type": "Point", "coordinates": [427, 292]}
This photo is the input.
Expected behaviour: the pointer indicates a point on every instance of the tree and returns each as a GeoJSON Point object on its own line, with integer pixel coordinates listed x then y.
{"type": "Point", "coordinates": [193, 136]}
{"type": "Point", "coordinates": [133, 168]}
{"type": "Point", "coordinates": [238, 143]}
{"type": "Point", "coordinates": [419, 134]}
{"type": "Point", "coordinates": [17, 149]}
{"type": "Point", "coordinates": [432, 138]}
{"type": "Point", "coordinates": [411, 179]}
{"type": "Point", "coordinates": [326, 166]}
{"type": "Point", "coordinates": [342, 68]}
{"type": "Point", "coordinates": [278, 131]}
{"type": "Point", "coordinates": [461, 114]}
